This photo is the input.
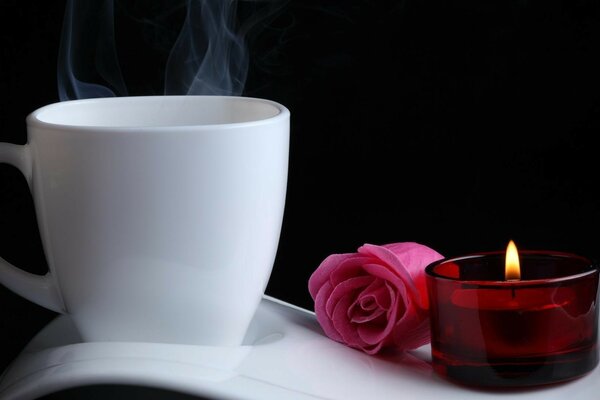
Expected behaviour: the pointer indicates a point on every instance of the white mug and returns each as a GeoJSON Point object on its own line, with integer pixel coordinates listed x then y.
{"type": "Point", "coordinates": [160, 216]}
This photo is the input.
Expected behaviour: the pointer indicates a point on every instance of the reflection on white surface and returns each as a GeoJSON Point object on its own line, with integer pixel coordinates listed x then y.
{"type": "Point", "coordinates": [285, 356]}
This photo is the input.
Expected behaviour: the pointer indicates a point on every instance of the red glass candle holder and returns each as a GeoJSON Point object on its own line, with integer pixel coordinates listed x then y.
{"type": "Point", "coordinates": [487, 331]}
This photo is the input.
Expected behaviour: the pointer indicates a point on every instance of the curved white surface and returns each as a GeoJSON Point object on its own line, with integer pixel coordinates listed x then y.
{"type": "Point", "coordinates": [285, 356]}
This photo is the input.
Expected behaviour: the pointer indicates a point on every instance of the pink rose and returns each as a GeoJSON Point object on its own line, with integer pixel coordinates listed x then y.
{"type": "Point", "coordinates": [375, 298]}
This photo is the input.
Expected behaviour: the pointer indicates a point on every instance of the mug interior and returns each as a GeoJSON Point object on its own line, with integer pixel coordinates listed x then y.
{"type": "Point", "coordinates": [157, 111]}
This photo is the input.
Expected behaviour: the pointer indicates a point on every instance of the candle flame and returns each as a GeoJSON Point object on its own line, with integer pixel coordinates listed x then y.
{"type": "Point", "coordinates": [512, 271]}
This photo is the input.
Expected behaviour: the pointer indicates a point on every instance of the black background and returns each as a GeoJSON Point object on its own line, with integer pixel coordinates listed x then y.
{"type": "Point", "coordinates": [459, 126]}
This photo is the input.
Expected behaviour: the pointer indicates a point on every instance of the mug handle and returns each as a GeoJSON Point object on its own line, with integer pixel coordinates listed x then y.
{"type": "Point", "coordinates": [40, 289]}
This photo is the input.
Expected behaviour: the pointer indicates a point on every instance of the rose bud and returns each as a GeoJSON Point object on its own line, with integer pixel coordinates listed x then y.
{"type": "Point", "coordinates": [375, 298]}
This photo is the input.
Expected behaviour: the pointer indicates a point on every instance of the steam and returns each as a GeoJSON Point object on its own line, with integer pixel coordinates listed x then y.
{"type": "Point", "coordinates": [208, 57]}
{"type": "Point", "coordinates": [87, 45]}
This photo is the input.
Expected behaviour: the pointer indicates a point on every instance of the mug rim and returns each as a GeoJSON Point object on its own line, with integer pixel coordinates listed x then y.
{"type": "Point", "coordinates": [34, 120]}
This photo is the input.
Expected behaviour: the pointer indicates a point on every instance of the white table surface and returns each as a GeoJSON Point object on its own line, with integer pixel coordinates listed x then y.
{"type": "Point", "coordinates": [285, 356]}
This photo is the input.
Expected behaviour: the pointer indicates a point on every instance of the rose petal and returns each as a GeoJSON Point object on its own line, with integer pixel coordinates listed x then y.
{"type": "Point", "coordinates": [375, 333]}
{"type": "Point", "coordinates": [342, 325]}
{"type": "Point", "coordinates": [345, 288]}
{"type": "Point", "coordinates": [399, 303]}
{"type": "Point", "coordinates": [378, 293]}
{"type": "Point", "coordinates": [372, 349]}
{"type": "Point", "coordinates": [378, 296]}
{"type": "Point", "coordinates": [382, 272]}
{"type": "Point", "coordinates": [361, 318]}
{"type": "Point", "coordinates": [349, 267]}
{"type": "Point", "coordinates": [392, 263]}
{"type": "Point", "coordinates": [321, 275]}
{"type": "Point", "coordinates": [379, 333]}
{"type": "Point", "coordinates": [368, 303]}
{"type": "Point", "coordinates": [415, 257]}
{"type": "Point", "coordinates": [324, 320]}
{"type": "Point", "coordinates": [412, 332]}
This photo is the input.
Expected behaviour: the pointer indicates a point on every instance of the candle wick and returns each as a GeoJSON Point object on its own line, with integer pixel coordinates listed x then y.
{"type": "Point", "coordinates": [512, 292]}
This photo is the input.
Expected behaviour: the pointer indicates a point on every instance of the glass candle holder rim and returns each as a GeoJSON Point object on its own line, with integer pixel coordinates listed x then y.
{"type": "Point", "coordinates": [593, 269]}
